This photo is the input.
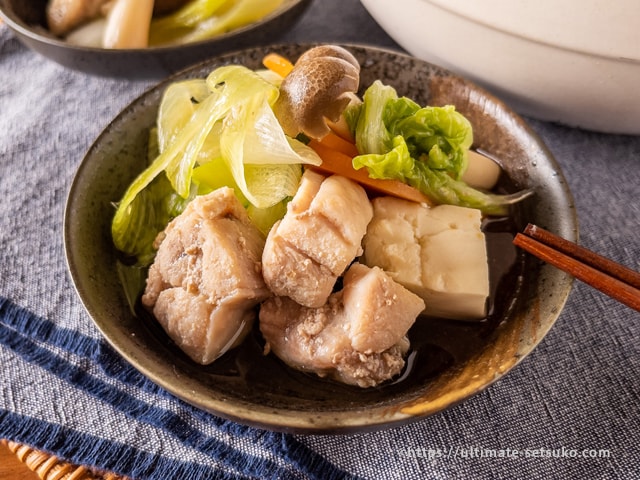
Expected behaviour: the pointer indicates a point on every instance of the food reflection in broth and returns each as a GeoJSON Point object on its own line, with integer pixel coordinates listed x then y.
{"type": "Point", "coordinates": [436, 345]}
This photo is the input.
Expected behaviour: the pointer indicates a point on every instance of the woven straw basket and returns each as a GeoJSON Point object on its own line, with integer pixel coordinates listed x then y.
{"type": "Point", "coordinates": [48, 467]}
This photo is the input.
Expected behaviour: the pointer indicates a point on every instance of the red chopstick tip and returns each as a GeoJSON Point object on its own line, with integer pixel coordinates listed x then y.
{"type": "Point", "coordinates": [531, 230]}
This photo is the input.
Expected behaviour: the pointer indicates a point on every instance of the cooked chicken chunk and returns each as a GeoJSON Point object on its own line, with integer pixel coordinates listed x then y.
{"type": "Point", "coordinates": [206, 278]}
{"type": "Point", "coordinates": [358, 337]}
{"type": "Point", "coordinates": [317, 239]}
{"type": "Point", "coordinates": [65, 15]}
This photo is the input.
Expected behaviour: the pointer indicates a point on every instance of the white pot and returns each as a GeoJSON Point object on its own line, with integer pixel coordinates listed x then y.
{"type": "Point", "coordinates": [574, 62]}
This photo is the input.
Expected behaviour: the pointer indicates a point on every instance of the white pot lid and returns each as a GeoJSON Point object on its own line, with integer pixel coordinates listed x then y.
{"type": "Point", "coordinates": [600, 27]}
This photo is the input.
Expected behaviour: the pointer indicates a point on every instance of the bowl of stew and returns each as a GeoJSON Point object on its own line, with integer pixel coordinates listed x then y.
{"type": "Point", "coordinates": [449, 361]}
{"type": "Point", "coordinates": [28, 20]}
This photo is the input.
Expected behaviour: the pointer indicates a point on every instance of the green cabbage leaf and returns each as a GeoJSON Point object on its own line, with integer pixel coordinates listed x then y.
{"type": "Point", "coordinates": [425, 147]}
{"type": "Point", "coordinates": [202, 19]}
{"type": "Point", "coordinates": [218, 131]}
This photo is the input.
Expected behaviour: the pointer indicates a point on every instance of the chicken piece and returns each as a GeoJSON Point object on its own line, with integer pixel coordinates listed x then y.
{"type": "Point", "coordinates": [358, 337]}
{"type": "Point", "coordinates": [65, 15]}
{"type": "Point", "coordinates": [317, 239]}
{"type": "Point", "coordinates": [439, 253]}
{"type": "Point", "coordinates": [206, 278]}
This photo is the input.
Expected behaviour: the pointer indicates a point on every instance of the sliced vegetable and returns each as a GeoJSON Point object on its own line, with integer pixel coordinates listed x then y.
{"type": "Point", "coordinates": [171, 28]}
{"type": "Point", "coordinates": [133, 279]}
{"type": "Point", "coordinates": [336, 162]}
{"type": "Point", "coordinates": [204, 19]}
{"type": "Point", "coordinates": [216, 174]}
{"type": "Point", "coordinates": [179, 103]}
{"type": "Point", "coordinates": [128, 24]}
{"type": "Point", "coordinates": [88, 35]}
{"type": "Point", "coordinates": [146, 215]}
{"type": "Point", "coordinates": [277, 64]}
{"type": "Point", "coordinates": [425, 147]}
{"type": "Point", "coordinates": [264, 162]}
{"type": "Point", "coordinates": [232, 126]}
{"type": "Point", "coordinates": [265, 218]}
{"type": "Point", "coordinates": [338, 143]}
{"type": "Point", "coordinates": [366, 119]}
{"type": "Point", "coordinates": [438, 185]}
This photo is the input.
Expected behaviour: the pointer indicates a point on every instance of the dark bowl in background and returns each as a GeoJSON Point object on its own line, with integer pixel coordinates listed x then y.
{"type": "Point", "coordinates": [27, 19]}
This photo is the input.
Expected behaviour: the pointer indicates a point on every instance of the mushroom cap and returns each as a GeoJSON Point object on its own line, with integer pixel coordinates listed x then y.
{"type": "Point", "coordinates": [333, 51]}
{"type": "Point", "coordinates": [320, 86]}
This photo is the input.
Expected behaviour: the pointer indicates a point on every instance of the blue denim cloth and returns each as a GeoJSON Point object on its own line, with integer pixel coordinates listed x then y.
{"type": "Point", "coordinates": [569, 410]}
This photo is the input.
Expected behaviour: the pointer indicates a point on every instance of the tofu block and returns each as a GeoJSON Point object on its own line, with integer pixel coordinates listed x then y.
{"type": "Point", "coordinates": [439, 253]}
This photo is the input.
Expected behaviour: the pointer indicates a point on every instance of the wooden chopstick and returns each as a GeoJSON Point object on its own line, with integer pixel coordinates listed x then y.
{"type": "Point", "coordinates": [611, 278]}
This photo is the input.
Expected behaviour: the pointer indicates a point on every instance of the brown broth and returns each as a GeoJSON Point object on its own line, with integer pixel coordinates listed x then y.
{"type": "Point", "coordinates": [436, 345]}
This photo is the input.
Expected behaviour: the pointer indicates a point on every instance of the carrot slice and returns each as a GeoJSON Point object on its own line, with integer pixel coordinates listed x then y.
{"type": "Point", "coordinates": [336, 152]}
{"type": "Point", "coordinates": [336, 142]}
{"type": "Point", "coordinates": [340, 128]}
{"type": "Point", "coordinates": [277, 63]}
{"type": "Point", "coordinates": [336, 162]}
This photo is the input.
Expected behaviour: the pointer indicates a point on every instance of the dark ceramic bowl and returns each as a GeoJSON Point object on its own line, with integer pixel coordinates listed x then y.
{"type": "Point", "coordinates": [450, 360]}
{"type": "Point", "coordinates": [26, 18]}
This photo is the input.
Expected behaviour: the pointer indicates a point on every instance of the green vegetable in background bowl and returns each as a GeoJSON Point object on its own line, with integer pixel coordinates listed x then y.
{"type": "Point", "coordinates": [144, 23]}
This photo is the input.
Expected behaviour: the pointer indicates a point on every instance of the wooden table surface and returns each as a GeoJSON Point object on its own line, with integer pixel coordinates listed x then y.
{"type": "Point", "coordinates": [13, 469]}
